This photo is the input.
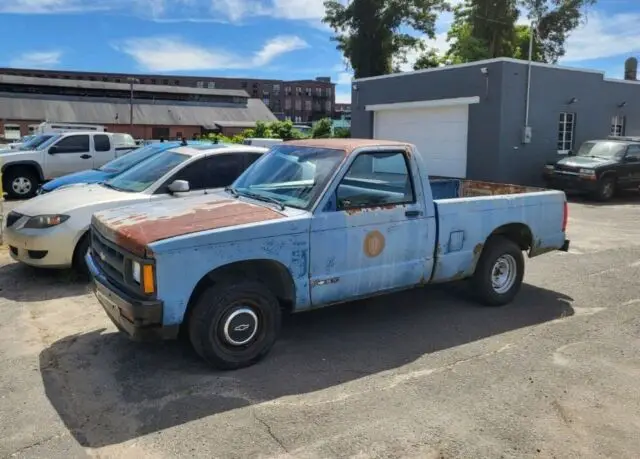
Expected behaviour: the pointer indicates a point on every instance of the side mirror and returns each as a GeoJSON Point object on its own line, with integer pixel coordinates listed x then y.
{"type": "Point", "coordinates": [53, 150]}
{"type": "Point", "coordinates": [179, 186]}
{"type": "Point", "coordinates": [570, 153]}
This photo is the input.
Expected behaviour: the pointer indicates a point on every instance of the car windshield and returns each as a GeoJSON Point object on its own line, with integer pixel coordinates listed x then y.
{"type": "Point", "coordinates": [147, 172]}
{"type": "Point", "coordinates": [601, 149]}
{"type": "Point", "coordinates": [292, 175]}
{"type": "Point", "coordinates": [48, 141]}
{"type": "Point", "coordinates": [129, 160]}
{"type": "Point", "coordinates": [35, 142]}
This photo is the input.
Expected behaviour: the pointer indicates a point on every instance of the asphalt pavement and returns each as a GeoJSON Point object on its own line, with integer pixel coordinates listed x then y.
{"type": "Point", "coordinates": [425, 373]}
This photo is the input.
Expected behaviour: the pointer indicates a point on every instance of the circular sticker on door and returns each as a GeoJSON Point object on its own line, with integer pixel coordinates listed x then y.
{"type": "Point", "coordinates": [373, 243]}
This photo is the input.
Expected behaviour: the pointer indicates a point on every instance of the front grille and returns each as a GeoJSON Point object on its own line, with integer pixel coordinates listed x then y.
{"type": "Point", "coordinates": [564, 168]}
{"type": "Point", "coordinates": [12, 218]}
{"type": "Point", "coordinates": [108, 257]}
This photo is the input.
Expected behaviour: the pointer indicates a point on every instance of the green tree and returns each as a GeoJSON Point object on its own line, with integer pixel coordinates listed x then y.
{"type": "Point", "coordinates": [429, 59]}
{"type": "Point", "coordinates": [372, 33]}
{"type": "Point", "coordinates": [555, 20]}
{"type": "Point", "coordinates": [284, 130]}
{"type": "Point", "coordinates": [342, 133]}
{"type": "Point", "coordinates": [322, 128]}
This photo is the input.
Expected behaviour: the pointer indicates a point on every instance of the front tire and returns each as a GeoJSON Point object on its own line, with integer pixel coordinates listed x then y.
{"type": "Point", "coordinates": [499, 272]}
{"type": "Point", "coordinates": [235, 323]}
{"type": "Point", "coordinates": [606, 189]}
{"type": "Point", "coordinates": [20, 183]}
{"type": "Point", "coordinates": [79, 263]}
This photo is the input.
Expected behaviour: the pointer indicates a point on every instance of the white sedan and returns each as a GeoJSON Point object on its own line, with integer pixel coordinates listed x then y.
{"type": "Point", "coordinates": [51, 230]}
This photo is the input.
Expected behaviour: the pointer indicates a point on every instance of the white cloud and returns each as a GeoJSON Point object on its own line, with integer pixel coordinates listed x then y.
{"type": "Point", "coordinates": [37, 59]}
{"type": "Point", "coordinates": [604, 36]}
{"type": "Point", "coordinates": [343, 96]}
{"type": "Point", "coordinates": [164, 54]}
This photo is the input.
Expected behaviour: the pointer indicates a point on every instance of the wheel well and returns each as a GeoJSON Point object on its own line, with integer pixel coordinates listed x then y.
{"type": "Point", "coordinates": [516, 232]}
{"type": "Point", "coordinates": [80, 239]}
{"type": "Point", "coordinates": [272, 273]}
{"type": "Point", "coordinates": [26, 166]}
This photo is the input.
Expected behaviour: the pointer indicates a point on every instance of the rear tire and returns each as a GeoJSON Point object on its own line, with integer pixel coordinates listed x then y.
{"type": "Point", "coordinates": [20, 182]}
{"type": "Point", "coordinates": [235, 323]}
{"type": "Point", "coordinates": [499, 272]}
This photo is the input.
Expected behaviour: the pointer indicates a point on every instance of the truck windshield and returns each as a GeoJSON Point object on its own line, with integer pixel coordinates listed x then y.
{"type": "Point", "coordinates": [123, 163]}
{"type": "Point", "coordinates": [601, 149]}
{"type": "Point", "coordinates": [290, 174]}
{"type": "Point", "coordinates": [47, 143]}
{"type": "Point", "coordinates": [146, 173]}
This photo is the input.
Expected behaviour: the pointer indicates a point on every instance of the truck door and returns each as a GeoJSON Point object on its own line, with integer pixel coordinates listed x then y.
{"type": "Point", "coordinates": [103, 150]}
{"type": "Point", "coordinates": [72, 153]}
{"type": "Point", "coordinates": [631, 166]}
{"type": "Point", "coordinates": [372, 236]}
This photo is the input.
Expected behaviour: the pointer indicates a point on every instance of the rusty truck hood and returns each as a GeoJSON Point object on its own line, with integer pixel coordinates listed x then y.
{"type": "Point", "coordinates": [135, 227]}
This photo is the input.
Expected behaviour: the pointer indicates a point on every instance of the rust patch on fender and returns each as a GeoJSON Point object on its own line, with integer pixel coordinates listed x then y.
{"type": "Point", "coordinates": [477, 250]}
{"type": "Point", "coordinates": [134, 233]}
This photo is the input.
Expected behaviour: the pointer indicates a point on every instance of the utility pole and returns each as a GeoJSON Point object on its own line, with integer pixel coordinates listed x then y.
{"type": "Point", "coordinates": [131, 82]}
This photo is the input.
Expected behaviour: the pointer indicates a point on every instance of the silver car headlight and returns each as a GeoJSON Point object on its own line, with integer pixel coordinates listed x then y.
{"type": "Point", "coordinates": [45, 221]}
{"type": "Point", "coordinates": [587, 172]}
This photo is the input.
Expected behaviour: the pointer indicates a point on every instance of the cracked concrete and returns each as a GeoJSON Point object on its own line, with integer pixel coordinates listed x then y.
{"type": "Point", "coordinates": [424, 374]}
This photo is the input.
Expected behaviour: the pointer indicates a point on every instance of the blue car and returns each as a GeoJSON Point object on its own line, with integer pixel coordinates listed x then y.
{"type": "Point", "coordinates": [112, 168]}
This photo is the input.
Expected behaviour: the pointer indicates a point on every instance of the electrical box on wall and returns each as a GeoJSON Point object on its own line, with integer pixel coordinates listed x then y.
{"type": "Point", "coordinates": [526, 134]}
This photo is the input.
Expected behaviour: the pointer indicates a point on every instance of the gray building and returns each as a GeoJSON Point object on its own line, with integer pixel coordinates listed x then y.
{"type": "Point", "coordinates": [469, 120]}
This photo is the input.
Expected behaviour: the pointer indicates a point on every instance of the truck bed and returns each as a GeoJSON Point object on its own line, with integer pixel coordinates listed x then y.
{"type": "Point", "coordinates": [448, 188]}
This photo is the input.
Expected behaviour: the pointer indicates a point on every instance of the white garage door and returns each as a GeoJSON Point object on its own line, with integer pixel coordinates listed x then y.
{"type": "Point", "coordinates": [440, 133]}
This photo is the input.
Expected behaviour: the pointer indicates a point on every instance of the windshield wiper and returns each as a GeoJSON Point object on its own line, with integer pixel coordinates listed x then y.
{"type": "Point", "coordinates": [260, 197]}
{"type": "Point", "coordinates": [231, 190]}
{"type": "Point", "coordinates": [108, 185]}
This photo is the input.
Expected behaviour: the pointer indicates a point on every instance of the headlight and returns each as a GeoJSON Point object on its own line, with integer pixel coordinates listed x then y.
{"type": "Point", "coordinates": [135, 271]}
{"type": "Point", "coordinates": [587, 172]}
{"type": "Point", "coordinates": [549, 167]}
{"type": "Point", "coordinates": [45, 221]}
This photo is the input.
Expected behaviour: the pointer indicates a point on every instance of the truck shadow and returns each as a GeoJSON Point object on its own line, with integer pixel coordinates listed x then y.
{"type": "Point", "coordinates": [108, 390]}
{"type": "Point", "coordinates": [622, 198]}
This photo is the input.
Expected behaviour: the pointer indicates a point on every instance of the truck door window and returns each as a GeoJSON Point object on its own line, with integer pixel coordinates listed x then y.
{"type": "Point", "coordinates": [376, 179]}
{"type": "Point", "coordinates": [73, 144]}
{"type": "Point", "coordinates": [101, 142]}
{"type": "Point", "coordinates": [215, 171]}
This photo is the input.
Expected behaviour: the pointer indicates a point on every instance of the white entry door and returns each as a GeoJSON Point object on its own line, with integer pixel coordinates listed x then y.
{"type": "Point", "coordinates": [440, 133]}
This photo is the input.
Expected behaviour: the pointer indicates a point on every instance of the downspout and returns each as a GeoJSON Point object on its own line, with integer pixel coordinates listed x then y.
{"type": "Point", "coordinates": [528, 96]}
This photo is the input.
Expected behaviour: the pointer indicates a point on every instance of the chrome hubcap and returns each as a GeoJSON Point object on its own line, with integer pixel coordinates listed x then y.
{"type": "Point", "coordinates": [608, 189]}
{"type": "Point", "coordinates": [503, 274]}
{"type": "Point", "coordinates": [21, 185]}
{"type": "Point", "coordinates": [240, 327]}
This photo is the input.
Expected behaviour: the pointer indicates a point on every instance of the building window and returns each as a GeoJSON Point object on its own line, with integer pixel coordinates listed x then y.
{"type": "Point", "coordinates": [617, 125]}
{"type": "Point", "coordinates": [287, 90]}
{"type": "Point", "coordinates": [211, 85]}
{"type": "Point", "coordinates": [307, 91]}
{"type": "Point", "coordinates": [287, 103]}
{"type": "Point", "coordinates": [307, 105]}
{"type": "Point", "coordinates": [298, 91]}
{"type": "Point", "coordinates": [298, 104]}
{"type": "Point", "coordinates": [266, 101]}
{"type": "Point", "coordinates": [319, 92]}
{"type": "Point", "coordinates": [327, 106]}
{"type": "Point", "coordinates": [566, 130]}
{"type": "Point", "coordinates": [328, 92]}
{"type": "Point", "coordinates": [200, 84]}
{"type": "Point", "coordinates": [176, 82]}
{"type": "Point", "coordinates": [243, 85]}
{"type": "Point", "coordinates": [276, 89]}
{"type": "Point", "coordinates": [165, 82]}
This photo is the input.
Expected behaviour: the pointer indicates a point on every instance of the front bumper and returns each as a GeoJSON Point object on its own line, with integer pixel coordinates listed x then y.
{"type": "Point", "coordinates": [570, 182]}
{"type": "Point", "coordinates": [138, 318]}
{"type": "Point", "coordinates": [44, 248]}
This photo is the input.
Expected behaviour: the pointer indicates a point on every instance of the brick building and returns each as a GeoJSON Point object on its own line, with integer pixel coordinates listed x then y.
{"type": "Point", "coordinates": [158, 110]}
{"type": "Point", "coordinates": [302, 101]}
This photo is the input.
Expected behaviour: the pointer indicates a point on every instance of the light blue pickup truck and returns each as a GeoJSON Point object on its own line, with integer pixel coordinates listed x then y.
{"type": "Point", "coordinates": [310, 224]}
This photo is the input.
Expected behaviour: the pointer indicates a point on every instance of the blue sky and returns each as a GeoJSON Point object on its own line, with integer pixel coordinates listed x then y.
{"type": "Point", "coordinates": [251, 38]}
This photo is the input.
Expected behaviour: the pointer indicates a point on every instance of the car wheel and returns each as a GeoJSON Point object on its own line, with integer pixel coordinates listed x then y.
{"type": "Point", "coordinates": [20, 183]}
{"type": "Point", "coordinates": [499, 272]}
{"type": "Point", "coordinates": [235, 323]}
{"type": "Point", "coordinates": [606, 188]}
